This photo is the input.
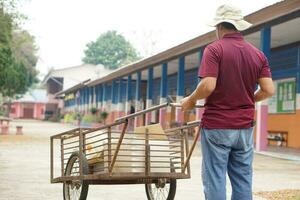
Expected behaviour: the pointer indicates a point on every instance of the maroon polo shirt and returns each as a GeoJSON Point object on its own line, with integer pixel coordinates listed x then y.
{"type": "Point", "coordinates": [237, 65]}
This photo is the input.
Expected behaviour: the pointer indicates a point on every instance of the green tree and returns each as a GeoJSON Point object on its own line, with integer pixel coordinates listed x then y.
{"type": "Point", "coordinates": [25, 50]}
{"type": "Point", "coordinates": [17, 53]}
{"type": "Point", "coordinates": [111, 50]}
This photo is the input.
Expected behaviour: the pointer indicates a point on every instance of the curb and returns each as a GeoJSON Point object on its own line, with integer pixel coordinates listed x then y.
{"type": "Point", "coordinates": [279, 155]}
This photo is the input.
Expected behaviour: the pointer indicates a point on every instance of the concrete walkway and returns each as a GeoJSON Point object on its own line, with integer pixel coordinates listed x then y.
{"type": "Point", "coordinates": [24, 170]}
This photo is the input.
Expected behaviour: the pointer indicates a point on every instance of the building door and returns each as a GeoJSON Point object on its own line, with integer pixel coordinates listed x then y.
{"type": "Point", "coordinates": [28, 113]}
{"type": "Point", "coordinates": [28, 110]}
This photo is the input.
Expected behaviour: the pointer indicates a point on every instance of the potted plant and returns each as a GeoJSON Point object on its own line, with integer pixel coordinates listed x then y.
{"type": "Point", "coordinates": [104, 116]}
{"type": "Point", "coordinates": [93, 110]}
{"type": "Point", "coordinates": [78, 118]}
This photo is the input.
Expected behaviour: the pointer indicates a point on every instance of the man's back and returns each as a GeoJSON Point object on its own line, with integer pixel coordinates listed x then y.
{"type": "Point", "coordinates": [237, 65]}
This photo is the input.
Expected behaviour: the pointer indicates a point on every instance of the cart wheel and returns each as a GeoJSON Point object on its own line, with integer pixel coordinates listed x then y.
{"type": "Point", "coordinates": [162, 190]}
{"type": "Point", "coordinates": [77, 189]}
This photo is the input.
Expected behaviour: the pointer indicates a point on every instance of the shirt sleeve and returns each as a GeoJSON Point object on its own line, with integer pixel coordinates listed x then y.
{"type": "Point", "coordinates": [265, 71]}
{"type": "Point", "coordinates": [209, 66]}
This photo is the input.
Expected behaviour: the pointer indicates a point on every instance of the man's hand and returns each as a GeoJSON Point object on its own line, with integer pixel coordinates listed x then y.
{"type": "Point", "coordinates": [266, 89]}
{"type": "Point", "coordinates": [187, 103]}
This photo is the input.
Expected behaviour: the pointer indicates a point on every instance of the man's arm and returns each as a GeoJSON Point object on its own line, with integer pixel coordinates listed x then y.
{"type": "Point", "coordinates": [206, 86]}
{"type": "Point", "coordinates": [266, 89]}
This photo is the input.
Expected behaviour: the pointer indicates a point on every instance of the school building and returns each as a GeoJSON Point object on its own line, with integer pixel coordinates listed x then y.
{"type": "Point", "coordinates": [173, 73]}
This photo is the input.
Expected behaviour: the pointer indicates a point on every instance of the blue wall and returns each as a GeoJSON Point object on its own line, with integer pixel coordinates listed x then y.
{"type": "Point", "coordinates": [172, 84]}
{"type": "Point", "coordinates": [284, 63]}
{"type": "Point", "coordinates": [156, 91]}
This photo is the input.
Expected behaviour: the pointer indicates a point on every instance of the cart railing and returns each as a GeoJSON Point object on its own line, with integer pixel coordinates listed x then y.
{"type": "Point", "coordinates": [120, 152]}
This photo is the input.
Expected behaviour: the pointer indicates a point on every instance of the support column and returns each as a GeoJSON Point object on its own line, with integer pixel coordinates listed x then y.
{"type": "Point", "coordinates": [100, 98]}
{"type": "Point", "coordinates": [262, 107]}
{"type": "Point", "coordinates": [94, 97]}
{"type": "Point", "coordinates": [18, 110]}
{"type": "Point", "coordinates": [35, 111]}
{"type": "Point", "coordinates": [87, 100]}
{"type": "Point", "coordinates": [81, 95]}
{"type": "Point", "coordinates": [138, 104]}
{"type": "Point", "coordinates": [113, 100]}
{"type": "Point", "coordinates": [180, 88]}
{"type": "Point", "coordinates": [199, 111]}
{"type": "Point", "coordinates": [129, 101]}
{"type": "Point", "coordinates": [77, 100]}
{"type": "Point", "coordinates": [104, 98]}
{"type": "Point", "coordinates": [149, 95]}
{"type": "Point", "coordinates": [120, 102]}
{"type": "Point", "coordinates": [128, 95]}
{"type": "Point", "coordinates": [86, 91]}
{"type": "Point", "coordinates": [163, 94]}
{"type": "Point", "coordinates": [298, 81]}
{"type": "Point", "coordinates": [83, 100]}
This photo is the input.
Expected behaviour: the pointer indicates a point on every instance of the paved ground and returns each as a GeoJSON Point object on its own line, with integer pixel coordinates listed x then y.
{"type": "Point", "coordinates": [24, 171]}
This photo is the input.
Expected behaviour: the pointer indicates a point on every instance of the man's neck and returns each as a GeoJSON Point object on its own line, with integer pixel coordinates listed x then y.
{"type": "Point", "coordinates": [229, 32]}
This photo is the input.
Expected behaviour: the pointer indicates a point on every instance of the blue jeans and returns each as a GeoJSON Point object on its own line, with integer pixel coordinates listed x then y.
{"type": "Point", "coordinates": [231, 151]}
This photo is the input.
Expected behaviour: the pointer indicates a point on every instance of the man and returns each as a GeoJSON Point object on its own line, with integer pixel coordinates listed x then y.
{"type": "Point", "coordinates": [230, 70]}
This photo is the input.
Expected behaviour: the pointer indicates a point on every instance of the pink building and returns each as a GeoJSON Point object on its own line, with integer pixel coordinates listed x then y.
{"type": "Point", "coordinates": [31, 106]}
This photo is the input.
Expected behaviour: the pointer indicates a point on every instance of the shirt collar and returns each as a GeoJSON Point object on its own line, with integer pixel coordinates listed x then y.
{"type": "Point", "coordinates": [234, 35]}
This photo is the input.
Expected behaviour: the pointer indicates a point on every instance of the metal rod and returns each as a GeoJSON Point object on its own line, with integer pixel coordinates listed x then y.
{"type": "Point", "coordinates": [179, 105]}
{"type": "Point", "coordinates": [142, 112]}
{"type": "Point", "coordinates": [96, 141]}
{"type": "Point", "coordinates": [109, 147]}
{"type": "Point", "coordinates": [90, 137]}
{"type": "Point", "coordinates": [80, 153]}
{"type": "Point", "coordinates": [118, 147]}
{"type": "Point", "coordinates": [105, 126]}
{"type": "Point", "coordinates": [147, 153]}
{"type": "Point", "coordinates": [62, 157]}
{"type": "Point", "coordinates": [51, 159]}
{"type": "Point", "coordinates": [182, 150]}
{"type": "Point", "coordinates": [192, 149]}
{"type": "Point", "coordinates": [187, 148]}
{"type": "Point", "coordinates": [64, 133]}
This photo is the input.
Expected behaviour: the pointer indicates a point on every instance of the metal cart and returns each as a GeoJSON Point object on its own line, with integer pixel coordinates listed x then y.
{"type": "Point", "coordinates": [114, 154]}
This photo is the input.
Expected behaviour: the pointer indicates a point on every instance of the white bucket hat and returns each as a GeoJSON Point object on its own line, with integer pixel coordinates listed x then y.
{"type": "Point", "coordinates": [230, 14]}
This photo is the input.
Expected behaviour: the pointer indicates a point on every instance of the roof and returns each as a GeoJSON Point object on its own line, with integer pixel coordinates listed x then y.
{"type": "Point", "coordinates": [75, 87]}
{"type": "Point", "coordinates": [76, 74]}
{"type": "Point", "coordinates": [272, 14]}
{"type": "Point", "coordinates": [34, 96]}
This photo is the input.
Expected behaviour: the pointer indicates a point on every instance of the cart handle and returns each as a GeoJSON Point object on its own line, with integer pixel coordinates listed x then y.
{"type": "Point", "coordinates": [179, 105]}
{"type": "Point", "coordinates": [153, 108]}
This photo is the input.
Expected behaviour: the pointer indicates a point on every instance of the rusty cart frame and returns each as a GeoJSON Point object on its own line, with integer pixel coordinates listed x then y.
{"type": "Point", "coordinates": [113, 154]}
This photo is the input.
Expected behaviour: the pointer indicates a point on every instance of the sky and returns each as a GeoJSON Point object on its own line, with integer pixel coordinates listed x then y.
{"type": "Point", "coordinates": [62, 28]}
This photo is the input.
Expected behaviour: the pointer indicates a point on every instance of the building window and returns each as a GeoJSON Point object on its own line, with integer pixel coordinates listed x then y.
{"type": "Point", "coordinates": [13, 110]}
